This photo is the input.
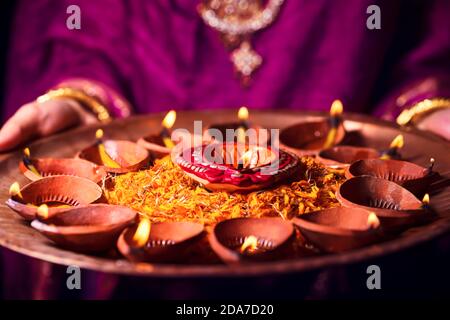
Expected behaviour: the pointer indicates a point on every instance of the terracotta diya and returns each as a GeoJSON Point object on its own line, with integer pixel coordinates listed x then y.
{"type": "Point", "coordinates": [36, 168]}
{"type": "Point", "coordinates": [251, 239]}
{"type": "Point", "coordinates": [116, 156]}
{"type": "Point", "coordinates": [158, 242]}
{"type": "Point", "coordinates": [395, 206]}
{"type": "Point", "coordinates": [155, 143]}
{"type": "Point", "coordinates": [308, 138]}
{"type": "Point", "coordinates": [343, 156]}
{"type": "Point", "coordinates": [91, 228]}
{"type": "Point", "coordinates": [241, 131]}
{"type": "Point", "coordinates": [234, 167]}
{"type": "Point", "coordinates": [160, 144]}
{"type": "Point", "coordinates": [57, 192]}
{"type": "Point", "coordinates": [339, 229]}
{"type": "Point", "coordinates": [406, 174]}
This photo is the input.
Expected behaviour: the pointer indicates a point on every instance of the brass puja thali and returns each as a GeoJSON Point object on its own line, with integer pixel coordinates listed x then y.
{"type": "Point", "coordinates": [122, 199]}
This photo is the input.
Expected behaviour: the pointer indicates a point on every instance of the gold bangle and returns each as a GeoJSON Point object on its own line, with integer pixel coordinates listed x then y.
{"type": "Point", "coordinates": [408, 115]}
{"type": "Point", "coordinates": [93, 104]}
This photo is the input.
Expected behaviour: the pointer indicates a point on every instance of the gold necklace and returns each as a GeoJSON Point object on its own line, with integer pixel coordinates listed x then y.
{"type": "Point", "coordinates": [237, 21]}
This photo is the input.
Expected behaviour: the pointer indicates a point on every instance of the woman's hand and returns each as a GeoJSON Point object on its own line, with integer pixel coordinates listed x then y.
{"type": "Point", "coordinates": [438, 122]}
{"type": "Point", "coordinates": [34, 120]}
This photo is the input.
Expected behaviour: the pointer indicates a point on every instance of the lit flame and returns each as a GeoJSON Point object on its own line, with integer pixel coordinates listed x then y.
{"type": "Point", "coordinates": [99, 134]}
{"type": "Point", "coordinates": [397, 143]}
{"type": "Point", "coordinates": [426, 199]}
{"type": "Point", "coordinates": [169, 119]}
{"type": "Point", "coordinates": [27, 152]}
{"type": "Point", "coordinates": [142, 233]}
{"type": "Point", "coordinates": [42, 211]}
{"type": "Point", "coordinates": [247, 158]}
{"type": "Point", "coordinates": [250, 244]}
{"type": "Point", "coordinates": [104, 156]}
{"type": "Point", "coordinates": [336, 108]}
{"type": "Point", "coordinates": [14, 190]}
{"type": "Point", "coordinates": [28, 163]}
{"type": "Point", "coordinates": [243, 113]}
{"type": "Point", "coordinates": [372, 221]}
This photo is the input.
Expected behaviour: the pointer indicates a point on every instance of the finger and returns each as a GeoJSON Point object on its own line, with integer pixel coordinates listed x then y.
{"type": "Point", "coordinates": [36, 120]}
{"type": "Point", "coordinates": [57, 115]}
{"type": "Point", "coordinates": [20, 127]}
{"type": "Point", "coordinates": [85, 116]}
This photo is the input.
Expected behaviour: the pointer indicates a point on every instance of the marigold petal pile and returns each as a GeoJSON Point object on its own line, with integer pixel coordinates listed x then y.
{"type": "Point", "coordinates": [164, 193]}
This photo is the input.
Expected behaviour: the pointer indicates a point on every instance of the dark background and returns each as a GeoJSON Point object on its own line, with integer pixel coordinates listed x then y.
{"type": "Point", "coordinates": [6, 13]}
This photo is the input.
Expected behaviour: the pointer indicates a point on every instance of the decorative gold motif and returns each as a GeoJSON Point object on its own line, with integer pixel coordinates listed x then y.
{"type": "Point", "coordinates": [237, 21]}
{"type": "Point", "coordinates": [93, 104]}
{"type": "Point", "coordinates": [409, 116]}
{"type": "Point", "coordinates": [245, 59]}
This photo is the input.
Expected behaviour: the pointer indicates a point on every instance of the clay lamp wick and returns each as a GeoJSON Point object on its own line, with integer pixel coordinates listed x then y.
{"type": "Point", "coordinates": [167, 124]}
{"type": "Point", "coordinates": [250, 159]}
{"type": "Point", "coordinates": [243, 124]}
{"type": "Point", "coordinates": [245, 160]}
{"type": "Point", "coordinates": [142, 234]}
{"type": "Point", "coordinates": [14, 190]}
{"type": "Point", "coordinates": [28, 163]}
{"type": "Point", "coordinates": [426, 202]}
{"type": "Point", "coordinates": [104, 156]}
{"type": "Point", "coordinates": [394, 147]}
{"type": "Point", "coordinates": [335, 121]}
{"type": "Point", "coordinates": [429, 170]}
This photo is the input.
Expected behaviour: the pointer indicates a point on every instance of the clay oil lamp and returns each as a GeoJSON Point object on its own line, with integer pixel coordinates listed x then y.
{"type": "Point", "coordinates": [343, 156]}
{"type": "Point", "coordinates": [58, 192]}
{"type": "Point", "coordinates": [235, 167]}
{"type": "Point", "coordinates": [410, 176]}
{"type": "Point", "coordinates": [244, 240]}
{"type": "Point", "coordinates": [36, 168]}
{"type": "Point", "coordinates": [339, 229]}
{"type": "Point", "coordinates": [116, 156]}
{"type": "Point", "coordinates": [395, 146]}
{"type": "Point", "coordinates": [159, 242]}
{"type": "Point", "coordinates": [240, 131]}
{"type": "Point", "coordinates": [308, 138]}
{"type": "Point", "coordinates": [160, 144]}
{"type": "Point", "coordinates": [92, 228]}
{"type": "Point", "coordinates": [395, 206]}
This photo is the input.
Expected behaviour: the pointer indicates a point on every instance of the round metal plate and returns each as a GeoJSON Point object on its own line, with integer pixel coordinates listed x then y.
{"type": "Point", "coordinates": [17, 235]}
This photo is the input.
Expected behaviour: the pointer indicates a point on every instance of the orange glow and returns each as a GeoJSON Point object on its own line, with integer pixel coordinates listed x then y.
{"type": "Point", "coordinates": [99, 134]}
{"type": "Point", "coordinates": [256, 157]}
{"type": "Point", "coordinates": [42, 211]}
{"type": "Point", "coordinates": [372, 221]}
{"type": "Point", "coordinates": [337, 108]}
{"type": "Point", "coordinates": [247, 158]}
{"type": "Point", "coordinates": [27, 152]}
{"type": "Point", "coordinates": [398, 142]}
{"type": "Point", "coordinates": [14, 190]}
{"type": "Point", "coordinates": [243, 114]}
{"type": "Point", "coordinates": [142, 233]}
{"type": "Point", "coordinates": [250, 244]}
{"type": "Point", "coordinates": [426, 199]}
{"type": "Point", "coordinates": [169, 119]}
